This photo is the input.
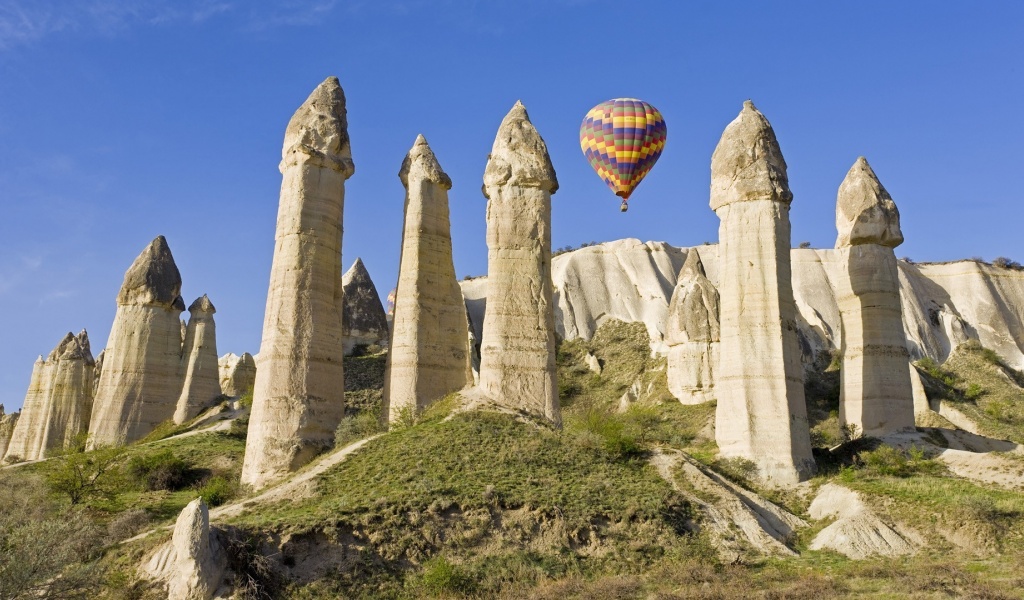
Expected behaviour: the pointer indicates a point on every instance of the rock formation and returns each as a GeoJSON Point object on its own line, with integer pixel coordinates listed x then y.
{"type": "Point", "coordinates": [141, 379]}
{"type": "Point", "coordinates": [857, 531]}
{"type": "Point", "coordinates": [517, 350]}
{"type": "Point", "coordinates": [299, 397]}
{"type": "Point", "coordinates": [193, 563]}
{"type": "Point", "coordinates": [59, 400]}
{"type": "Point", "coordinates": [876, 394]}
{"type": "Point", "coordinates": [7, 425]}
{"type": "Point", "coordinates": [761, 414]}
{"type": "Point", "coordinates": [429, 353]}
{"type": "Point", "coordinates": [237, 374]}
{"type": "Point", "coordinates": [199, 362]}
{"type": "Point", "coordinates": [692, 334]}
{"type": "Point", "coordinates": [363, 320]}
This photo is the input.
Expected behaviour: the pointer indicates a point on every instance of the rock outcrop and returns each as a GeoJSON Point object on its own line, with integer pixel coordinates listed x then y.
{"type": "Point", "coordinates": [237, 374]}
{"type": "Point", "coordinates": [201, 386]}
{"type": "Point", "coordinates": [857, 532]}
{"type": "Point", "coordinates": [876, 396]}
{"type": "Point", "coordinates": [141, 377]}
{"type": "Point", "coordinates": [7, 425]}
{"type": "Point", "coordinates": [761, 414]}
{"type": "Point", "coordinates": [692, 334]}
{"type": "Point", "coordinates": [363, 322]}
{"type": "Point", "coordinates": [59, 400]}
{"type": "Point", "coordinates": [429, 355]}
{"type": "Point", "coordinates": [517, 350]}
{"type": "Point", "coordinates": [299, 398]}
{"type": "Point", "coordinates": [192, 564]}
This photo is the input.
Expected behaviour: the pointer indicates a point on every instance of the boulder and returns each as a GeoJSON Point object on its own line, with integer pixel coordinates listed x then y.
{"type": "Point", "coordinates": [191, 566]}
{"type": "Point", "coordinates": [201, 386]}
{"type": "Point", "coordinates": [517, 349]}
{"type": "Point", "coordinates": [429, 354]}
{"type": "Point", "coordinates": [364, 322]}
{"type": "Point", "coordinates": [299, 394]}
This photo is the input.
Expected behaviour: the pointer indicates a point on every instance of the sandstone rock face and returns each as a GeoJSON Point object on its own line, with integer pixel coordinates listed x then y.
{"type": "Point", "coordinates": [59, 400]}
{"type": "Point", "coordinates": [237, 374]}
{"type": "Point", "coordinates": [876, 395]}
{"type": "Point", "coordinates": [692, 334]}
{"type": "Point", "coordinates": [761, 414]}
{"type": "Point", "coordinates": [299, 398]}
{"type": "Point", "coordinates": [517, 362]}
{"type": "Point", "coordinates": [429, 354]}
{"type": "Point", "coordinates": [199, 362]}
{"type": "Point", "coordinates": [364, 321]}
{"type": "Point", "coordinates": [7, 425]}
{"type": "Point", "coordinates": [192, 564]}
{"type": "Point", "coordinates": [141, 380]}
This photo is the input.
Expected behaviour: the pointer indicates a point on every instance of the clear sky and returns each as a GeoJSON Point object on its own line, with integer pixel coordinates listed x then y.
{"type": "Point", "coordinates": [123, 120]}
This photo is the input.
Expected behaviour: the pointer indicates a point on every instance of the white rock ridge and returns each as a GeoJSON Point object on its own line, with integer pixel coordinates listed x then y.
{"type": "Point", "coordinates": [140, 382]}
{"type": "Point", "coordinates": [517, 350]}
{"type": "Point", "coordinates": [761, 414]}
{"type": "Point", "coordinates": [429, 352]}
{"type": "Point", "coordinates": [364, 321]}
{"type": "Point", "coordinates": [193, 563]}
{"type": "Point", "coordinates": [237, 374]}
{"type": "Point", "coordinates": [201, 386]}
{"type": "Point", "coordinates": [59, 400]}
{"type": "Point", "coordinates": [299, 398]}
{"type": "Point", "coordinates": [876, 395]}
{"type": "Point", "coordinates": [692, 334]}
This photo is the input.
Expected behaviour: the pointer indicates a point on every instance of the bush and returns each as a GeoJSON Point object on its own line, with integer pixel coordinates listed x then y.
{"type": "Point", "coordinates": [441, 577]}
{"type": "Point", "coordinates": [84, 475]}
{"type": "Point", "coordinates": [126, 524]}
{"type": "Point", "coordinates": [1005, 263]}
{"type": "Point", "coordinates": [161, 471]}
{"type": "Point", "coordinates": [218, 490]}
{"type": "Point", "coordinates": [887, 461]}
{"type": "Point", "coordinates": [356, 427]}
{"type": "Point", "coordinates": [610, 433]}
{"type": "Point", "coordinates": [254, 575]}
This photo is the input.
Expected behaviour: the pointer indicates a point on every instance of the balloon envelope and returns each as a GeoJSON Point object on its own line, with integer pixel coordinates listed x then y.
{"type": "Point", "coordinates": [622, 139]}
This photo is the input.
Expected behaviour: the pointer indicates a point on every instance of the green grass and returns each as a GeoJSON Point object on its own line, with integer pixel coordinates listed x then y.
{"type": "Point", "coordinates": [982, 387]}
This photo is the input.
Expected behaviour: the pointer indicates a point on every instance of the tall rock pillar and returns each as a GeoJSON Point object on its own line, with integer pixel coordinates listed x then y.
{"type": "Point", "coordinates": [199, 362]}
{"type": "Point", "coordinates": [761, 414]}
{"type": "Point", "coordinates": [140, 381]}
{"type": "Point", "coordinates": [876, 394]}
{"type": "Point", "coordinates": [429, 349]}
{"type": "Point", "coordinates": [298, 397]}
{"type": "Point", "coordinates": [692, 334]}
{"type": "Point", "coordinates": [517, 349]}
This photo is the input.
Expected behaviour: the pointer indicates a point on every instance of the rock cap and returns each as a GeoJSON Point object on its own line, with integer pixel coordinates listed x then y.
{"type": "Point", "coordinates": [153, 279]}
{"type": "Point", "coordinates": [202, 305]}
{"type": "Point", "coordinates": [865, 212]}
{"type": "Point", "coordinates": [747, 163]}
{"type": "Point", "coordinates": [318, 131]}
{"type": "Point", "coordinates": [519, 156]}
{"type": "Point", "coordinates": [420, 163]}
{"type": "Point", "coordinates": [72, 347]}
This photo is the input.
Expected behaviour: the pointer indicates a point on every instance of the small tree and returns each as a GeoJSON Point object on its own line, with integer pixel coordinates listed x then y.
{"type": "Point", "coordinates": [805, 244]}
{"type": "Point", "coordinates": [83, 475]}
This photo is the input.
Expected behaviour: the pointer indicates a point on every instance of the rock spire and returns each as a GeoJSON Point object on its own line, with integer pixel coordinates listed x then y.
{"type": "Point", "coordinates": [237, 374]}
{"type": "Point", "coordinates": [201, 384]}
{"type": "Point", "coordinates": [299, 397]}
{"type": "Point", "coordinates": [141, 380]}
{"type": "Point", "coordinates": [7, 425]}
{"type": "Point", "coordinates": [692, 334]}
{"type": "Point", "coordinates": [193, 563]}
{"type": "Point", "coordinates": [59, 400]}
{"type": "Point", "coordinates": [363, 321]}
{"type": "Point", "coordinates": [429, 353]}
{"type": "Point", "coordinates": [517, 364]}
{"type": "Point", "coordinates": [876, 394]}
{"type": "Point", "coordinates": [761, 414]}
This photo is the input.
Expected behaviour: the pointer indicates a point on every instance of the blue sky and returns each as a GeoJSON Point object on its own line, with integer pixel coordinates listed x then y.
{"type": "Point", "coordinates": [120, 121]}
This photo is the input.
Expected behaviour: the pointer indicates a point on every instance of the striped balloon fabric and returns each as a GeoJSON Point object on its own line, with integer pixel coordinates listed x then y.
{"type": "Point", "coordinates": [622, 139]}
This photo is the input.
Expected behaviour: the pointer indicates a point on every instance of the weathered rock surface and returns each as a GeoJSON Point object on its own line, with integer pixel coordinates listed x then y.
{"type": "Point", "coordinates": [141, 380]}
{"type": "Point", "coordinates": [429, 354]}
{"type": "Point", "coordinates": [299, 398]}
{"type": "Point", "coordinates": [199, 362]}
{"type": "Point", "coordinates": [193, 563]}
{"type": "Point", "coordinates": [237, 374]}
{"type": "Point", "coordinates": [364, 321]}
{"type": "Point", "coordinates": [59, 400]}
{"type": "Point", "coordinates": [517, 349]}
{"type": "Point", "coordinates": [876, 394]}
{"type": "Point", "coordinates": [857, 532]}
{"type": "Point", "coordinates": [761, 414]}
{"type": "Point", "coordinates": [692, 334]}
{"type": "Point", "coordinates": [7, 425]}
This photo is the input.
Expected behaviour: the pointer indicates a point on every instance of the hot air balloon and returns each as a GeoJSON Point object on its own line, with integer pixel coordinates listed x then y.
{"type": "Point", "coordinates": [622, 139]}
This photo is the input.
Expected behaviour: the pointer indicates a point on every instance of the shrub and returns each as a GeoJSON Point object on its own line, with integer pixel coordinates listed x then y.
{"type": "Point", "coordinates": [218, 490]}
{"type": "Point", "coordinates": [1005, 263]}
{"type": "Point", "coordinates": [84, 475]}
{"type": "Point", "coordinates": [610, 433]}
{"type": "Point", "coordinates": [887, 461]}
{"type": "Point", "coordinates": [356, 427]}
{"type": "Point", "coordinates": [254, 575]}
{"type": "Point", "coordinates": [805, 244]}
{"type": "Point", "coordinates": [126, 524]}
{"type": "Point", "coordinates": [245, 400]}
{"type": "Point", "coordinates": [161, 471]}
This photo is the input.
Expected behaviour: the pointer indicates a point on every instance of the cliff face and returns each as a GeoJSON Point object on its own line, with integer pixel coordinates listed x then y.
{"type": "Point", "coordinates": [943, 304]}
